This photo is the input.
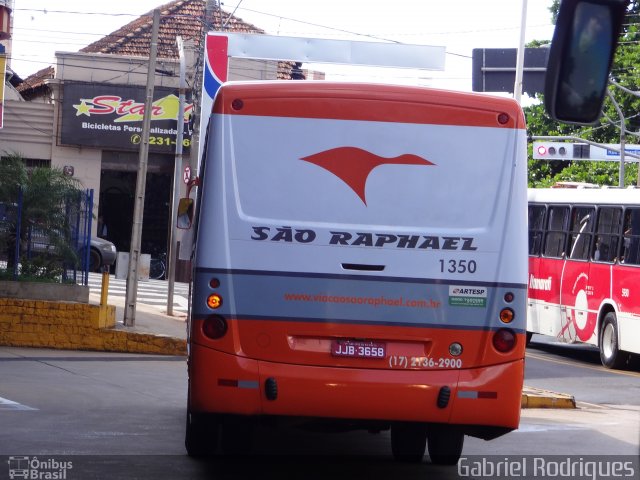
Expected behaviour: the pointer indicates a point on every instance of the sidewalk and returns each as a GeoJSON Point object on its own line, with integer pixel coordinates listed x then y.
{"type": "Point", "coordinates": [148, 319]}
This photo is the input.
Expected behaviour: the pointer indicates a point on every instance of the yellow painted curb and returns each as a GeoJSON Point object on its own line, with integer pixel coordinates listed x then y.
{"type": "Point", "coordinates": [76, 326]}
{"type": "Point", "coordinates": [539, 398]}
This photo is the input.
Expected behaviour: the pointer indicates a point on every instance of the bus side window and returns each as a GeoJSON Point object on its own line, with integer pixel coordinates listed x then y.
{"type": "Point", "coordinates": [582, 221]}
{"type": "Point", "coordinates": [536, 228]}
{"type": "Point", "coordinates": [631, 237]}
{"type": "Point", "coordinates": [556, 238]}
{"type": "Point", "coordinates": [605, 248]}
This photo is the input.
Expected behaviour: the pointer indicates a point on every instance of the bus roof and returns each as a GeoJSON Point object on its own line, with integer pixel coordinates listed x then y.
{"type": "Point", "coordinates": [367, 102]}
{"type": "Point", "coordinates": [591, 196]}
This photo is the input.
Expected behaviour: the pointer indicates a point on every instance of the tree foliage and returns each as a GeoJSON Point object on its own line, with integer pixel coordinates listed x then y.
{"type": "Point", "coordinates": [45, 194]}
{"type": "Point", "coordinates": [624, 73]}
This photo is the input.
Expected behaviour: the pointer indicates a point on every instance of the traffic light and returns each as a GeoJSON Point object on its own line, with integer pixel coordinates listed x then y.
{"type": "Point", "coordinates": [581, 150]}
{"type": "Point", "coordinates": [551, 151]}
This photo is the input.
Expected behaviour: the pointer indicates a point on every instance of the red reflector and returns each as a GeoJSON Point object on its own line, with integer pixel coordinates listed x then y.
{"type": "Point", "coordinates": [226, 382]}
{"type": "Point", "coordinates": [237, 104]}
{"type": "Point", "coordinates": [491, 395]}
{"type": "Point", "coordinates": [504, 340]}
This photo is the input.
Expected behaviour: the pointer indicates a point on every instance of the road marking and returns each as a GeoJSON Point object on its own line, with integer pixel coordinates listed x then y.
{"type": "Point", "coordinates": [576, 364]}
{"type": "Point", "coordinates": [152, 293]}
{"type": "Point", "coordinates": [6, 404]}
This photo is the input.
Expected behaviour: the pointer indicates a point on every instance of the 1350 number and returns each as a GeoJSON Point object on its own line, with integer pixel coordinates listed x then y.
{"type": "Point", "coordinates": [458, 266]}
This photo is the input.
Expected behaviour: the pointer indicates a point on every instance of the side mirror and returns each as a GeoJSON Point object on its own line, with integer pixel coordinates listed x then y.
{"type": "Point", "coordinates": [582, 49]}
{"type": "Point", "coordinates": [185, 213]}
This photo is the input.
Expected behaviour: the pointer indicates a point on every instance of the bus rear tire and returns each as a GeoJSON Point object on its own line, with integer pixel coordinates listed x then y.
{"type": "Point", "coordinates": [610, 355]}
{"type": "Point", "coordinates": [445, 444]}
{"type": "Point", "coordinates": [408, 441]}
{"type": "Point", "coordinates": [201, 437]}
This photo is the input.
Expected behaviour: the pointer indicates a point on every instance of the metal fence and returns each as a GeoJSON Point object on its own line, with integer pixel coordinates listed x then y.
{"type": "Point", "coordinates": [53, 251]}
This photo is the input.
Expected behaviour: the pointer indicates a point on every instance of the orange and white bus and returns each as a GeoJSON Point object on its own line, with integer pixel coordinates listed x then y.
{"type": "Point", "coordinates": [584, 269]}
{"type": "Point", "coordinates": [360, 261]}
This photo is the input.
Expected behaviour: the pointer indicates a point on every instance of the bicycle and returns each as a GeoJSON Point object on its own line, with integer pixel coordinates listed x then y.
{"type": "Point", "coordinates": [158, 267]}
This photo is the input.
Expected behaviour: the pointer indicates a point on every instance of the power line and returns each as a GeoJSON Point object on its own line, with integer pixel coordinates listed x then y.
{"type": "Point", "coordinates": [45, 11]}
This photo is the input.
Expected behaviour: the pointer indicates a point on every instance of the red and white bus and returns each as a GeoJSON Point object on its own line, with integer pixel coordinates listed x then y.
{"type": "Point", "coordinates": [360, 261]}
{"type": "Point", "coordinates": [584, 269]}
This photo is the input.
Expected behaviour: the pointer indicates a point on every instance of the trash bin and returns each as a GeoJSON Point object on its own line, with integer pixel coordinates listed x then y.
{"type": "Point", "coordinates": [143, 266]}
{"type": "Point", "coordinates": [122, 266]}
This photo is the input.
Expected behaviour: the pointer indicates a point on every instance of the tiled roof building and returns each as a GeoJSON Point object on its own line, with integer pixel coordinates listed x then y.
{"type": "Point", "coordinates": [183, 18]}
{"type": "Point", "coordinates": [35, 84]}
{"type": "Point", "coordinates": [180, 17]}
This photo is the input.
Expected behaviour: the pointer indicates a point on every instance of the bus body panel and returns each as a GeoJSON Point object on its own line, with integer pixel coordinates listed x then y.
{"type": "Point", "coordinates": [340, 212]}
{"type": "Point", "coordinates": [625, 296]}
{"type": "Point", "coordinates": [486, 396]}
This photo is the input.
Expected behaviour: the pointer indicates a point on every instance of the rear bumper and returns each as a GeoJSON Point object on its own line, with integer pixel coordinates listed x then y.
{"type": "Point", "coordinates": [229, 384]}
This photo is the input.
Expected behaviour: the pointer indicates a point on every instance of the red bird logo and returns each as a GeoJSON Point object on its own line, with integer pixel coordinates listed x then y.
{"type": "Point", "coordinates": [353, 165]}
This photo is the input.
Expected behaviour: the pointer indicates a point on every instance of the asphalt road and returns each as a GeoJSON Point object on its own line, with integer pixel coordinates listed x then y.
{"type": "Point", "coordinates": [577, 370]}
{"type": "Point", "coordinates": [122, 416]}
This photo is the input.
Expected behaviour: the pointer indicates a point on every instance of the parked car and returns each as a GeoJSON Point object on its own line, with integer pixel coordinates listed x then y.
{"type": "Point", "coordinates": [102, 252]}
{"type": "Point", "coordinates": [39, 241]}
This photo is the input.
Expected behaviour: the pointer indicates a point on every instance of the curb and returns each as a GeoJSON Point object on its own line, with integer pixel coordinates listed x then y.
{"type": "Point", "coordinates": [539, 398]}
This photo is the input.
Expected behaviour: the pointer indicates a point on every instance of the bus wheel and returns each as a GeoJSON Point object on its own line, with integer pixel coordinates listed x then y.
{"type": "Point", "coordinates": [445, 444]}
{"type": "Point", "coordinates": [408, 441]}
{"type": "Point", "coordinates": [610, 355]}
{"type": "Point", "coordinates": [201, 438]}
{"type": "Point", "coordinates": [529, 335]}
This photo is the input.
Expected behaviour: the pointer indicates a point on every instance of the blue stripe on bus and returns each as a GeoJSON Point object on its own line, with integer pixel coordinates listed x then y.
{"type": "Point", "coordinates": [348, 299]}
{"type": "Point", "coordinates": [370, 278]}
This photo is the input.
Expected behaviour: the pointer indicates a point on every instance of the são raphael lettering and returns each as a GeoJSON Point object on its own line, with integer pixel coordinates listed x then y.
{"type": "Point", "coordinates": [364, 239]}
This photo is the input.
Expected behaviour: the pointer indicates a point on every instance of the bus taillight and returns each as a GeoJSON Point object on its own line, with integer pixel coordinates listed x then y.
{"type": "Point", "coordinates": [507, 315]}
{"type": "Point", "coordinates": [214, 327]}
{"type": "Point", "coordinates": [214, 301]}
{"type": "Point", "coordinates": [504, 340]}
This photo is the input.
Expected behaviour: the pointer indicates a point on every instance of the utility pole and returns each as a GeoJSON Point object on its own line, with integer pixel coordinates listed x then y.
{"type": "Point", "coordinates": [517, 88]}
{"type": "Point", "coordinates": [138, 210]}
{"type": "Point", "coordinates": [177, 175]}
{"type": "Point", "coordinates": [623, 128]}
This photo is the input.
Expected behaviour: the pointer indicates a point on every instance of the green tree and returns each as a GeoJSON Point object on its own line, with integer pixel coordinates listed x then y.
{"type": "Point", "coordinates": [624, 73]}
{"type": "Point", "coordinates": [45, 213]}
